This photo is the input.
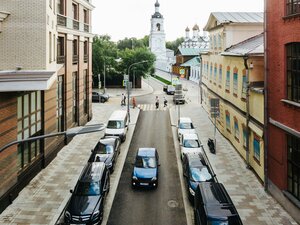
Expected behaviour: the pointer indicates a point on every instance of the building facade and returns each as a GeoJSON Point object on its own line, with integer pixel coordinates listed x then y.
{"type": "Point", "coordinates": [283, 103]}
{"type": "Point", "coordinates": [233, 73]}
{"type": "Point", "coordinates": [45, 83]}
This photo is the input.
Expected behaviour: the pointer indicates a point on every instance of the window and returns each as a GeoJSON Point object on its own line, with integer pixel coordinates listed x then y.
{"type": "Point", "coordinates": [215, 72]}
{"type": "Point", "coordinates": [54, 45]}
{"type": "Point", "coordinates": [50, 4]}
{"type": "Point", "coordinates": [244, 136]}
{"type": "Point", "coordinates": [86, 16]}
{"type": "Point", "coordinates": [60, 104]}
{"type": "Point", "coordinates": [292, 7]}
{"type": "Point", "coordinates": [227, 121]}
{"type": "Point", "coordinates": [60, 50]}
{"type": "Point", "coordinates": [211, 71]}
{"type": "Point", "coordinates": [220, 75]}
{"type": "Point", "coordinates": [50, 47]}
{"type": "Point", "coordinates": [219, 41]}
{"type": "Point", "coordinates": [29, 125]}
{"type": "Point", "coordinates": [293, 71]}
{"type": "Point", "coordinates": [293, 151]}
{"type": "Point", "coordinates": [256, 147]}
{"type": "Point", "coordinates": [228, 79]}
{"type": "Point", "coordinates": [85, 51]}
{"type": "Point", "coordinates": [61, 7]}
{"type": "Point", "coordinates": [75, 97]}
{"type": "Point", "coordinates": [236, 129]}
{"type": "Point", "coordinates": [75, 51]}
{"type": "Point", "coordinates": [158, 27]}
{"type": "Point", "coordinates": [215, 42]}
{"type": "Point", "coordinates": [75, 11]}
{"type": "Point", "coordinates": [235, 81]}
{"type": "Point", "coordinates": [85, 92]}
{"type": "Point", "coordinates": [244, 88]}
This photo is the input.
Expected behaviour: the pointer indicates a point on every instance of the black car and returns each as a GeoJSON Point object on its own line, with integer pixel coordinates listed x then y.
{"type": "Point", "coordinates": [106, 150]}
{"type": "Point", "coordinates": [213, 205]}
{"type": "Point", "coordinates": [99, 97]}
{"type": "Point", "coordinates": [86, 204]}
{"type": "Point", "coordinates": [195, 170]}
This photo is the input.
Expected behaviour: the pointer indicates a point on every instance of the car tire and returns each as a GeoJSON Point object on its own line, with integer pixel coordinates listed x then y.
{"type": "Point", "coordinates": [102, 100]}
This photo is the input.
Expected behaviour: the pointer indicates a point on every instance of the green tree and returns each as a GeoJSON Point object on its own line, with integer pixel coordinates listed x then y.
{"type": "Point", "coordinates": [173, 45]}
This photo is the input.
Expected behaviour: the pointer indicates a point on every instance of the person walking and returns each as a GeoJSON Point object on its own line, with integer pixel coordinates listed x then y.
{"type": "Point", "coordinates": [133, 102]}
{"type": "Point", "coordinates": [165, 102]}
{"type": "Point", "coordinates": [157, 102]}
{"type": "Point", "coordinates": [123, 100]}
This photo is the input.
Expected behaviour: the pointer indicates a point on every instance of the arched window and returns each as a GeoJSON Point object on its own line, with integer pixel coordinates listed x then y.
{"type": "Point", "coordinates": [158, 27]}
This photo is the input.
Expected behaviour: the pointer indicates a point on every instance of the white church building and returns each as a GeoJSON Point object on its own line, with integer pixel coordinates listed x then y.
{"type": "Point", "coordinates": [157, 42]}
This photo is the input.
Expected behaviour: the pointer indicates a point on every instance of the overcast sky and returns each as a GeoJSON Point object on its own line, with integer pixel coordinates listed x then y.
{"type": "Point", "coordinates": [131, 18]}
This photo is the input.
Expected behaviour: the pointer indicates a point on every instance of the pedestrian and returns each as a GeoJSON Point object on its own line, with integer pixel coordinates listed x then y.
{"type": "Point", "coordinates": [133, 102]}
{"type": "Point", "coordinates": [157, 102]}
{"type": "Point", "coordinates": [123, 100]}
{"type": "Point", "coordinates": [165, 102]}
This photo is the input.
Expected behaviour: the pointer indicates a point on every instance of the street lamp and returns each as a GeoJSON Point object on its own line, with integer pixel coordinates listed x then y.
{"type": "Point", "coordinates": [68, 133]}
{"type": "Point", "coordinates": [133, 64]}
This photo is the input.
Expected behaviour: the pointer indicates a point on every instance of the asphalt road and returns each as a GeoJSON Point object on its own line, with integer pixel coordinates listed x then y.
{"type": "Point", "coordinates": [161, 206]}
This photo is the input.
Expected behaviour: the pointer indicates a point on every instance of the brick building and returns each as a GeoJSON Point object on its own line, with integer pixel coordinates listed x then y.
{"type": "Point", "coordinates": [283, 102]}
{"type": "Point", "coordinates": [45, 83]}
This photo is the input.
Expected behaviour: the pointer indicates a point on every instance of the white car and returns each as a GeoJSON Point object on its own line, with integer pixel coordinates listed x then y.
{"type": "Point", "coordinates": [185, 126]}
{"type": "Point", "coordinates": [190, 143]}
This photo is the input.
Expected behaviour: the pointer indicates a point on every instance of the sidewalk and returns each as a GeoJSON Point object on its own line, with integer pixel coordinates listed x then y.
{"type": "Point", "coordinates": [255, 206]}
{"type": "Point", "coordinates": [44, 198]}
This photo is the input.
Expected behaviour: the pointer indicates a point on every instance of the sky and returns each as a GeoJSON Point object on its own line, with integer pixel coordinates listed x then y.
{"type": "Point", "coordinates": [131, 18]}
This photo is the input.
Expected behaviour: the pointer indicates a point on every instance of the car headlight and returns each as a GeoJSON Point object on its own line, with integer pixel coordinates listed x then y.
{"type": "Point", "coordinates": [154, 179]}
{"type": "Point", "coordinates": [109, 164]}
{"type": "Point", "coordinates": [95, 214]}
{"type": "Point", "coordinates": [134, 178]}
{"type": "Point", "coordinates": [67, 214]}
{"type": "Point", "coordinates": [192, 192]}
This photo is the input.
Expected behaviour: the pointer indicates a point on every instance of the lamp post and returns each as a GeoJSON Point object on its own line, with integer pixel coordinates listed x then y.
{"type": "Point", "coordinates": [128, 94]}
{"type": "Point", "coordinates": [104, 78]}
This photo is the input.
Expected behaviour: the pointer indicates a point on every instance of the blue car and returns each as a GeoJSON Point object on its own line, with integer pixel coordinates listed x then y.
{"type": "Point", "coordinates": [145, 170]}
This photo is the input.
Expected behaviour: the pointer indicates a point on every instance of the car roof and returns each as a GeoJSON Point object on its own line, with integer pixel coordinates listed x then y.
{"type": "Point", "coordinates": [190, 136]}
{"type": "Point", "coordinates": [185, 120]}
{"type": "Point", "coordinates": [92, 172]}
{"type": "Point", "coordinates": [107, 141]}
{"type": "Point", "coordinates": [195, 159]}
{"type": "Point", "coordinates": [118, 115]}
{"type": "Point", "coordinates": [214, 194]}
{"type": "Point", "coordinates": [146, 152]}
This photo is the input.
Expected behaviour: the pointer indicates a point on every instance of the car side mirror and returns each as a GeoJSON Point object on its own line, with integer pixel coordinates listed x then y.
{"type": "Point", "coordinates": [184, 174]}
{"type": "Point", "coordinates": [71, 191]}
{"type": "Point", "coordinates": [158, 164]}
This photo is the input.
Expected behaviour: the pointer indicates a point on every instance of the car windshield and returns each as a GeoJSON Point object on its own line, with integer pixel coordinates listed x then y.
{"type": "Point", "coordinates": [186, 126]}
{"type": "Point", "coordinates": [191, 144]}
{"type": "Point", "coordinates": [145, 162]}
{"type": "Point", "coordinates": [115, 124]}
{"type": "Point", "coordinates": [200, 174]}
{"type": "Point", "coordinates": [87, 188]}
{"type": "Point", "coordinates": [104, 149]}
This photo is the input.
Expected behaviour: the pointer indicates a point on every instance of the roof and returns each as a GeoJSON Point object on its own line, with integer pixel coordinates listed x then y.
{"type": "Point", "coordinates": [157, 15]}
{"type": "Point", "coordinates": [196, 27]}
{"type": "Point", "coordinates": [251, 46]}
{"type": "Point", "coordinates": [92, 171]}
{"type": "Point", "coordinates": [118, 115]}
{"type": "Point", "coordinates": [192, 62]}
{"type": "Point", "coordinates": [146, 152]}
{"type": "Point", "coordinates": [219, 18]}
{"type": "Point", "coordinates": [187, 29]}
{"type": "Point", "coordinates": [190, 136]}
{"type": "Point", "coordinates": [189, 51]}
{"type": "Point", "coordinates": [185, 120]}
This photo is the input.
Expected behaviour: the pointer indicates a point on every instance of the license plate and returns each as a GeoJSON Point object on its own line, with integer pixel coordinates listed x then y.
{"type": "Point", "coordinates": [144, 184]}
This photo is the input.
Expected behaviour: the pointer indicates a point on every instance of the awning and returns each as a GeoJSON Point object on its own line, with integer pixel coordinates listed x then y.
{"type": "Point", "coordinates": [26, 80]}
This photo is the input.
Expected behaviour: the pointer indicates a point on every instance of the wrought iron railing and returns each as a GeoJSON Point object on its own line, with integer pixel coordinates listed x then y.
{"type": "Point", "coordinates": [75, 59]}
{"type": "Point", "coordinates": [61, 59]}
{"type": "Point", "coordinates": [61, 20]}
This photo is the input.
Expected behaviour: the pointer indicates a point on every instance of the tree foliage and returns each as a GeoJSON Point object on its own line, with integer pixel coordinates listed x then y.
{"type": "Point", "coordinates": [173, 45]}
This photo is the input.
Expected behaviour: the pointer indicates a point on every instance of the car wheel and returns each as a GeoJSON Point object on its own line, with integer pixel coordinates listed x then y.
{"type": "Point", "coordinates": [102, 100]}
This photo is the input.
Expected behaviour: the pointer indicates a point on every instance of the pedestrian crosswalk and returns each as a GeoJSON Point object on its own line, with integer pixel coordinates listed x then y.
{"type": "Point", "coordinates": [152, 107]}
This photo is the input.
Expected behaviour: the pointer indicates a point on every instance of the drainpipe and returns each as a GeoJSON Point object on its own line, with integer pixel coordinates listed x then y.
{"type": "Point", "coordinates": [266, 111]}
{"type": "Point", "coordinates": [247, 111]}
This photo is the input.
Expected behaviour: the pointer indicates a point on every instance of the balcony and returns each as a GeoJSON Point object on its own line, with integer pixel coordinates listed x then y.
{"type": "Point", "coordinates": [86, 28]}
{"type": "Point", "coordinates": [75, 59]}
{"type": "Point", "coordinates": [86, 58]}
{"type": "Point", "coordinates": [61, 59]}
{"type": "Point", "coordinates": [75, 25]}
{"type": "Point", "coordinates": [61, 20]}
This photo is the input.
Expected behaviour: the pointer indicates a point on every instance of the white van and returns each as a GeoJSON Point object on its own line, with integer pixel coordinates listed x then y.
{"type": "Point", "coordinates": [117, 124]}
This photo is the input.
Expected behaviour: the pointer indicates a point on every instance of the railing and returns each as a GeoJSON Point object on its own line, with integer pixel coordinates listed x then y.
{"type": "Point", "coordinates": [75, 59]}
{"type": "Point", "coordinates": [75, 25]}
{"type": "Point", "coordinates": [85, 58]}
{"type": "Point", "coordinates": [61, 20]}
{"type": "Point", "coordinates": [61, 59]}
{"type": "Point", "coordinates": [86, 28]}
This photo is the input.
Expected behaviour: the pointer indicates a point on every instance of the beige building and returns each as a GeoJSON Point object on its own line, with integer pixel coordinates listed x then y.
{"type": "Point", "coordinates": [233, 72]}
{"type": "Point", "coordinates": [45, 83]}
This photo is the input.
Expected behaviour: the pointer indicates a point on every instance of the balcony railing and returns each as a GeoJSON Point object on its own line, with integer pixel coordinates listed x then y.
{"type": "Point", "coordinates": [75, 59]}
{"type": "Point", "coordinates": [86, 58]}
{"type": "Point", "coordinates": [75, 25]}
{"type": "Point", "coordinates": [86, 28]}
{"type": "Point", "coordinates": [61, 59]}
{"type": "Point", "coordinates": [61, 20]}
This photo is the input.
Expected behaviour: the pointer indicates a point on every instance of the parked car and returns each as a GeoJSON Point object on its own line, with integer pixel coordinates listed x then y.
{"type": "Point", "coordinates": [190, 143]}
{"type": "Point", "coordinates": [117, 124]}
{"type": "Point", "coordinates": [195, 170]}
{"type": "Point", "coordinates": [99, 97]}
{"type": "Point", "coordinates": [107, 151]}
{"type": "Point", "coordinates": [212, 205]}
{"type": "Point", "coordinates": [178, 97]}
{"type": "Point", "coordinates": [185, 126]}
{"type": "Point", "coordinates": [86, 204]}
{"type": "Point", "coordinates": [145, 170]}
{"type": "Point", "coordinates": [170, 90]}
